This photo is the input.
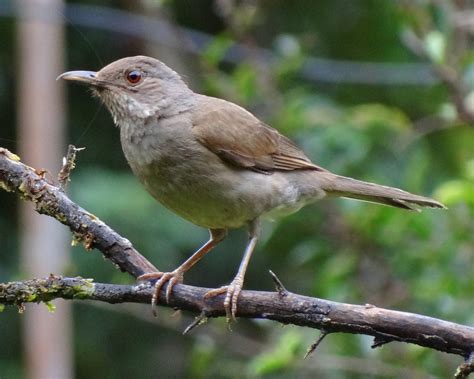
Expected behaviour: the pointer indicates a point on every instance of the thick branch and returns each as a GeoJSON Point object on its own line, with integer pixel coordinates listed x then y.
{"type": "Point", "coordinates": [50, 200]}
{"type": "Point", "coordinates": [283, 306]}
{"type": "Point", "coordinates": [383, 324]}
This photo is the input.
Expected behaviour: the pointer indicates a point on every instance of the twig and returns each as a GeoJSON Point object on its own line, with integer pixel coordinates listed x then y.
{"type": "Point", "coordinates": [466, 368]}
{"type": "Point", "coordinates": [248, 346]}
{"type": "Point", "coordinates": [198, 321]}
{"type": "Point", "coordinates": [69, 163]}
{"type": "Point", "coordinates": [380, 341]}
{"type": "Point", "coordinates": [448, 76]}
{"type": "Point", "coordinates": [282, 291]}
{"type": "Point", "coordinates": [315, 345]}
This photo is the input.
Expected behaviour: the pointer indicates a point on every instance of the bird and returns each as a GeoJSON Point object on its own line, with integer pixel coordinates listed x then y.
{"type": "Point", "coordinates": [214, 163]}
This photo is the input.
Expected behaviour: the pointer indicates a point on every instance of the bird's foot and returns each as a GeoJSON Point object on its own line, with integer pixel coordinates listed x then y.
{"type": "Point", "coordinates": [172, 278]}
{"type": "Point", "coordinates": [232, 292]}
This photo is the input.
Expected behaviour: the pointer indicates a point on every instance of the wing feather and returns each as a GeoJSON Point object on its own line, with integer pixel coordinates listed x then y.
{"type": "Point", "coordinates": [242, 140]}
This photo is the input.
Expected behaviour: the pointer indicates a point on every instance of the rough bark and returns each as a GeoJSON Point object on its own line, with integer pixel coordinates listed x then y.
{"type": "Point", "coordinates": [283, 306]}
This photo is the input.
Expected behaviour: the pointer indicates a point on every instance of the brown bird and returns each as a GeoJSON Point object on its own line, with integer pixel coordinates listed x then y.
{"type": "Point", "coordinates": [214, 163]}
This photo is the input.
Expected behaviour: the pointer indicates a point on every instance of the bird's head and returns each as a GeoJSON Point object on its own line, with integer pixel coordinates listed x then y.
{"type": "Point", "coordinates": [134, 87]}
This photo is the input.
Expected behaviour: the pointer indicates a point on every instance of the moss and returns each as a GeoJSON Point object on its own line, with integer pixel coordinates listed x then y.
{"type": "Point", "coordinates": [51, 307]}
{"type": "Point", "coordinates": [85, 290]}
{"type": "Point", "coordinates": [23, 187]}
{"type": "Point", "coordinates": [9, 154]}
{"type": "Point", "coordinates": [84, 237]}
{"type": "Point", "coordinates": [45, 291]}
{"type": "Point", "coordinates": [23, 191]}
{"type": "Point", "coordinates": [61, 217]}
{"type": "Point", "coordinates": [13, 157]}
{"type": "Point", "coordinates": [4, 186]}
{"type": "Point", "coordinates": [30, 298]}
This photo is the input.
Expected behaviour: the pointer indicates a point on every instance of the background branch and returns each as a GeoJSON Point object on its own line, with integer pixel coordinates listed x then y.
{"type": "Point", "coordinates": [448, 75]}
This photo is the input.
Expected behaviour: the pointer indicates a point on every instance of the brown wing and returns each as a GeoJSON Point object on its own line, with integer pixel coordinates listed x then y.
{"type": "Point", "coordinates": [240, 139]}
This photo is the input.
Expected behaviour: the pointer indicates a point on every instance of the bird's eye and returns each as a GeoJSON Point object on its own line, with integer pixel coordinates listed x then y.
{"type": "Point", "coordinates": [134, 76]}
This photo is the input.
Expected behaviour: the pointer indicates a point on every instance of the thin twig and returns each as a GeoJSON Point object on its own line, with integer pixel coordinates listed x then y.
{"type": "Point", "coordinates": [315, 345]}
{"type": "Point", "coordinates": [282, 291]}
{"type": "Point", "coordinates": [198, 321]}
{"type": "Point", "coordinates": [69, 163]}
{"type": "Point", "coordinates": [448, 76]}
{"type": "Point", "coordinates": [466, 368]}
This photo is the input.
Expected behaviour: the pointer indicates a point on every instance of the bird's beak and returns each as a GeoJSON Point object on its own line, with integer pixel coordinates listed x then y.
{"type": "Point", "coordinates": [85, 77]}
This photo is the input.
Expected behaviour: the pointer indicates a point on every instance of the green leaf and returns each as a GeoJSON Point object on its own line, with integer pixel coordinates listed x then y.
{"type": "Point", "coordinates": [456, 191]}
{"type": "Point", "coordinates": [51, 307]}
{"type": "Point", "coordinates": [245, 79]}
{"type": "Point", "coordinates": [216, 49]}
{"type": "Point", "coordinates": [378, 115]}
{"type": "Point", "coordinates": [282, 356]}
{"type": "Point", "coordinates": [435, 46]}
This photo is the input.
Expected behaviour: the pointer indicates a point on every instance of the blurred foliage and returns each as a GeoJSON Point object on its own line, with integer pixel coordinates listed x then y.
{"type": "Point", "coordinates": [342, 250]}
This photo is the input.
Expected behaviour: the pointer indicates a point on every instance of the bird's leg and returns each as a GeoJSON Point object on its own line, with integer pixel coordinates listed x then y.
{"type": "Point", "coordinates": [233, 290]}
{"type": "Point", "coordinates": [176, 276]}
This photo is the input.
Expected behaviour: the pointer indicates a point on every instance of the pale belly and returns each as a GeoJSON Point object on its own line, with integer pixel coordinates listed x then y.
{"type": "Point", "coordinates": [226, 198]}
{"type": "Point", "coordinates": [208, 199]}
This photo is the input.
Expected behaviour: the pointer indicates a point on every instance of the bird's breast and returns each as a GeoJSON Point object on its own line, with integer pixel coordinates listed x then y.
{"type": "Point", "coordinates": [182, 174]}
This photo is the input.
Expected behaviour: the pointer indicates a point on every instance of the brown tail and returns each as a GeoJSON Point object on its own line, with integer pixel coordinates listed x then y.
{"type": "Point", "coordinates": [356, 189]}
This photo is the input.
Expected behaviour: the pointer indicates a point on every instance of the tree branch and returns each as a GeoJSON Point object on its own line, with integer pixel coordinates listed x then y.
{"type": "Point", "coordinates": [32, 185]}
{"type": "Point", "coordinates": [329, 316]}
{"type": "Point", "coordinates": [282, 306]}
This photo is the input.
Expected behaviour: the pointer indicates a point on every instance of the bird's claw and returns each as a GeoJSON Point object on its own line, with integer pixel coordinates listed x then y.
{"type": "Point", "coordinates": [172, 278]}
{"type": "Point", "coordinates": [232, 292]}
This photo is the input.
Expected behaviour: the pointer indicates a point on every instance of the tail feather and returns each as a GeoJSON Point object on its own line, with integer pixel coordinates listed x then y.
{"type": "Point", "coordinates": [357, 189]}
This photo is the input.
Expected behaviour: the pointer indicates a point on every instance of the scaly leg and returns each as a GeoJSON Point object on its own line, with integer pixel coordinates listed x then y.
{"type": "Point", "coordinates": [233, 290]}
{"type": "Point", "coordinates": [176, 276]}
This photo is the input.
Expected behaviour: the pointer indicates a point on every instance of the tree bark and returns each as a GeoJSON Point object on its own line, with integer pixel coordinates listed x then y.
{"type": "Point", "coordinates": [283, 306]}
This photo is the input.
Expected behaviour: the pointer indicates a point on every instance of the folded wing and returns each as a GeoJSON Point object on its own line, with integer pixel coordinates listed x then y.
{"type": "Point", "coordinates": [242, 140]}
